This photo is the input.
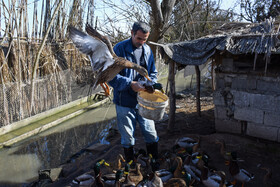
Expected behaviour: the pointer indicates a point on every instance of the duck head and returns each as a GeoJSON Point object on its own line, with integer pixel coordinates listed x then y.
{"type": "Point", "coordinates": [142, 71]}
{"type": "Point", "coordinates": [119, 175]}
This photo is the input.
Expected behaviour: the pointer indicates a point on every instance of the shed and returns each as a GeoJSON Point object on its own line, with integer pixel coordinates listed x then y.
{"type": "Point", "coordinates": [246, 76]}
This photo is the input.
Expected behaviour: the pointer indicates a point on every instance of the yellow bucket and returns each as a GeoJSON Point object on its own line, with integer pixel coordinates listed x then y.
{"type": "Point", "coordinates": [152, 105]}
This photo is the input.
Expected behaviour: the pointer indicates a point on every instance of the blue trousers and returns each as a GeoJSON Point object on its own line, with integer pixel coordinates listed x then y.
{"type": "Point", "coordinates": [127, 119]}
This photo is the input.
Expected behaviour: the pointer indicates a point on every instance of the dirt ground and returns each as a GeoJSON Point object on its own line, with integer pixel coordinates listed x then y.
{"type": "Point", "coordinates": [255, 153]}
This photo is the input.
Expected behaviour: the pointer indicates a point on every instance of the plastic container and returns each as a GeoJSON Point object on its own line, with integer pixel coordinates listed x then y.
{"type": "Point", "coordinates": [152, 105]}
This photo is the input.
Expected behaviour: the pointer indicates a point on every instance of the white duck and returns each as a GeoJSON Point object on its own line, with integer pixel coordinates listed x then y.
{"type": "Point", "coordinates": [240, 175]}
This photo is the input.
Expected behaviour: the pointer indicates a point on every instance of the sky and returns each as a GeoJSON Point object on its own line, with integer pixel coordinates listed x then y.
{"type": "Point", "coordinates": [101, 10]}
{"type": "Point", "coordinates": [226, 4]}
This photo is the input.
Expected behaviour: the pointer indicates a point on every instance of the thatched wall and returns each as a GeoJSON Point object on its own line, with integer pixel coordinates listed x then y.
{"type": "Point", "coordinates": [60, 71]}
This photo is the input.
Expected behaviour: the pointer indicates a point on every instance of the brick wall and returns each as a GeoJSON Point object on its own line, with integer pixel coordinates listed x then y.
{"type": "Point", "coordinates": [246, 103]}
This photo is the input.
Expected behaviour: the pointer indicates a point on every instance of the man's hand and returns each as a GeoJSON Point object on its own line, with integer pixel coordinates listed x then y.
{"type": "Point", "coordinates": [136, 86]}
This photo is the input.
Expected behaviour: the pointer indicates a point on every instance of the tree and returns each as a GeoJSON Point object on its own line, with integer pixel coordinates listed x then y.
{"type": "Point", "coordinates": [259, 10]}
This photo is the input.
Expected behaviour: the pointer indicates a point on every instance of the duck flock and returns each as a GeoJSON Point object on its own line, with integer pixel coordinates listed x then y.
{"type": "Point", "coordinates": [185, 164]}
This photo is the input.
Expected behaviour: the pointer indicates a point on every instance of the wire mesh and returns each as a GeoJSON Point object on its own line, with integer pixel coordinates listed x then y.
{"type": "Point", "coordinates": [51, 91]}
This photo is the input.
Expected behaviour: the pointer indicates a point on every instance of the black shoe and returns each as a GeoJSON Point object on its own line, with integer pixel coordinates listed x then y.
{"type": "Point", "coordinates": [152, 148]}
{"type": "Point", "coordinates": [129, 154]}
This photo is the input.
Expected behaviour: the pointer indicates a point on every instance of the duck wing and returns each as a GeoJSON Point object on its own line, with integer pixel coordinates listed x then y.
{"type": "Point", "coordinates": [186, 142]}
{"type": "Point", "coordinates": [247, 174]}
{"type": "Point", "coordinates": [194, 172]}
{"type": "Point", "coordinates": [99, 54]}
{"type": "Point", "coordinates": [94, 33]}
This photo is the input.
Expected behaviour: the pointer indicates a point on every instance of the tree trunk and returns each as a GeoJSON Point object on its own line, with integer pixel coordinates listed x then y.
{"type": "Point", "coordinates": [160, 16]}
{"type": "Point", "coordinates": [0, 20]}
{"type": "Point", "coordinates": [198, 108]}
{"type": "Point", "coordinates": [57, 28]}
{"type": "Point", "coordinates": [25, 20]}
{"type": "Point", "coordinates": [63, 22]}
{"type": "Point", "coordinates": [42, 13]}
{"type": "Point", "coordinates": [90, 15]}
{"type": "Point", "coordinates": [18, 54]}
{"type": "Point", "coordinates": [47, 20]}
{"type": "Point", "coordinates": [35, 21]}
{"type": "Point", "coordinates": [172, 96]}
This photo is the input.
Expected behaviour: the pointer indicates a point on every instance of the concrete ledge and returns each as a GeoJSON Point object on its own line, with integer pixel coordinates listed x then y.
{"type": "Point", "coordinates": [51, 124]}
{"type": "Point", "coordinates": [42, 115]}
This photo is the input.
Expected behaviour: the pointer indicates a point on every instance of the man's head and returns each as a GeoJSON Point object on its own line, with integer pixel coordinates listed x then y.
{"type": "Point", "coordinates": [140, 33]}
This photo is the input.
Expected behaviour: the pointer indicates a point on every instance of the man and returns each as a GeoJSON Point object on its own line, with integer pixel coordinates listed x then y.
{"type": "Point", "coordinates": [126, 87]}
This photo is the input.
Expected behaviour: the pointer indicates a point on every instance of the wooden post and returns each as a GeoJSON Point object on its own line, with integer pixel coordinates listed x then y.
{"type": "Point", "coordinates": [198, 110]}
{"type": "Point", "coordinates": [172, 95]}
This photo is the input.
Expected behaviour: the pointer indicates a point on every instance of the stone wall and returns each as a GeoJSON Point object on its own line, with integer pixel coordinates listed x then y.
{"type": "Point", "coordinates": [246, 103]}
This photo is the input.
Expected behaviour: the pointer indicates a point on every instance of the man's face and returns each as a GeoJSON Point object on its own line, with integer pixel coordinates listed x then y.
{"type": "Point", "coordinates": [139, 38]}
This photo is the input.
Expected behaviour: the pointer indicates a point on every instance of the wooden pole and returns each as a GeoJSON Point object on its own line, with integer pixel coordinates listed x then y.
{"type": "Point", "coordinates": [35, 21]}
{"type": "Point", "coordinates": [19, 77]}
{"type": "Point", "coordinates": [198, 108]}
{"type": "Point", "coordinates": [172, 95]}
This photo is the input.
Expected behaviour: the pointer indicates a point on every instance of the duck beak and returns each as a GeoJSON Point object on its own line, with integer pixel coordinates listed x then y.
{"type": "Point", "coordinates": [148, 77]}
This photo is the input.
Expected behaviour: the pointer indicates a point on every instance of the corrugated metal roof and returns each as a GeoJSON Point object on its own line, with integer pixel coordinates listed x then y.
{"type": "Point", "coordinates": [236, 38]}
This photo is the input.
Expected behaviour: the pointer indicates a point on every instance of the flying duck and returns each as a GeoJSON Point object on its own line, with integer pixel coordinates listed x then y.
{"type": "Point", "coordinates": [105, 64]}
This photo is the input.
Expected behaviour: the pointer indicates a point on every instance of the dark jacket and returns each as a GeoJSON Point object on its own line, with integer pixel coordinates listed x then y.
{"type": "Point", "coordinates": [123, 93]}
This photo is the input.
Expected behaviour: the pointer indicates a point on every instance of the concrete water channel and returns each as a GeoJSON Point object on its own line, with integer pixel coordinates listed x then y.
{"type": "Point", "coordinates": [21, 161]}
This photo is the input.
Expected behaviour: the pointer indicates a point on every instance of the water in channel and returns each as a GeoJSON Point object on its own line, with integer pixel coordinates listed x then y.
{"type": "Point", "coordinates": [20, 163]}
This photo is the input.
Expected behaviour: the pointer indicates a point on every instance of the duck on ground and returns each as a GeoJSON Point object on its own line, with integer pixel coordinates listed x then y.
{"type": "Point", "coordinates": [223, 182]}
{"type": "Point", "coordinates": [192, 169]}
{"type": "Point", "coordinates": [141, 157]}
{"type": "Point", "coordinates": [118, 163]}
{"type": "Point", "coordinates": [175, 182]}
{"type": "Point", "coordinates": [267, 179]}
{"type": "Point", "coordinates": [179, 173]}
{"type": "Point", "coordinates": [208, 178]}
{"type": "Point", "coordinates": [128, 181]}
{"type": "Point", "coordinates": [239, 175]}
{"type": "Point", "coordinates": [84, 180]}
{"type": "Point", "coordinates": [168, 160]}
{"type": "Point", "coordinates": [136, 176]}
{"type": "Point", "coordinates": [116, 181]}
{"type": "Point", "coordinates": [186, 142]}
{"type": "Point", "coordinates": [151, 177]}
{"type": "Point", "coordinates": [164, 174]}
{"type": "Point", "coordinates": [225, 153]}
{"type": "Point", "coordinates": [154, 180]}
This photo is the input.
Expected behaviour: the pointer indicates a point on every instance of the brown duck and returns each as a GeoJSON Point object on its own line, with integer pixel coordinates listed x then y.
{"type": "Point", "coordinates": [105, 64]}
{"type": "Point", "coordinates": [267, 179]}
{"type": "Point", "coordinates": [225, 153]}
{"type": "Point", "coordinates": [178, 173]}
{"type": "Point", "coordinates": [173, 182]}
{"type": "Point", "coordinates": [117, 164]}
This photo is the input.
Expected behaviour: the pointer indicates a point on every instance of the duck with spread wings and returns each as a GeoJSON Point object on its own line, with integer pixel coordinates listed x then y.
{"type": "Point", "coordinates": [104, 65]}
